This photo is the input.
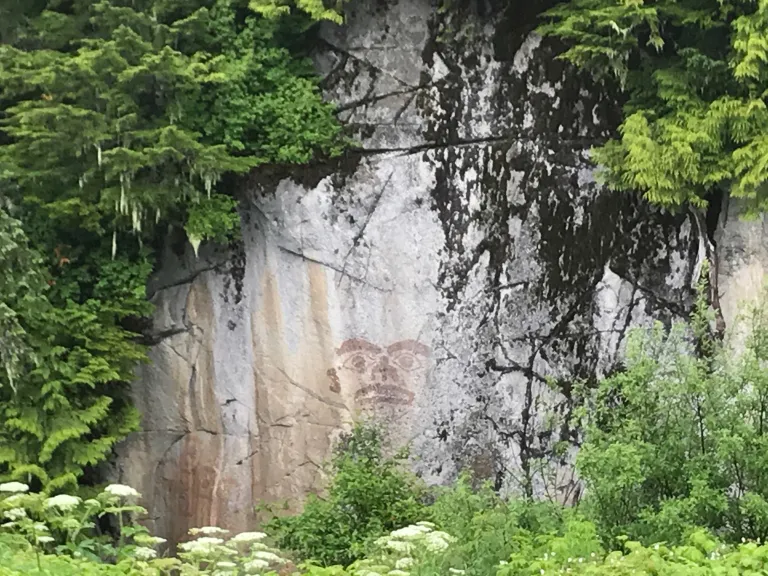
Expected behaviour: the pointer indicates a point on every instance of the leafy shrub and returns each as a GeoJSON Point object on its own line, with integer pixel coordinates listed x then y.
{"type": "Point", "coordinates": [701, 555]}
{"type": "Point", "coordinates": [486, 526]}
{"type": "Point", "coordinates": [679, 439]}
{"type": "Point", "coordinates": [369, 495]}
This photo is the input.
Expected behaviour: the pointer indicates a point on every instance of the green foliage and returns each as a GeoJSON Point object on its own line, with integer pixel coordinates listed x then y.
{"type": "Point", "coordinates": [578, 552]}
{"type": "Point", "coordinates": [487, 528]}
{"type": "Point", "coordinates": [695, 77]}
{"type": "Point", "coordinates": [59, 411]}
{"type": "Point", "coordinates": [60, 535]}
{"type": "Point", "coordinates": [317, 9]}
{"type": "Point", "coordinates": [139, 107]}
{"type": "Point", "coordinates": [679, 439]}
{"type": "Point", "coordinates": [117, 119]}
{"type": "Point", "coordinates": [215, 218]}
{"type": "Point", "coordinates": [21, 294]}
{"type": "Point", "coordinates": [369, 495]}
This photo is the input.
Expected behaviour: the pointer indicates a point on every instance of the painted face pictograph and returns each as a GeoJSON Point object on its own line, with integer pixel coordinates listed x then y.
{"type": "Point", "coordinates": [374, 377]}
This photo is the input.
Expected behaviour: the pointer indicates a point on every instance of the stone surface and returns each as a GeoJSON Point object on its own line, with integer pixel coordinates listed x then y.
{"type": "Point", "coordinates": [742, 246]}
{"type": "Point", "coordinates": [452, 278]}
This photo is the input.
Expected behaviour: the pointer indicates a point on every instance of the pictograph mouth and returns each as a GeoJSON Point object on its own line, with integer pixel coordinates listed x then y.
{"type": "Point", "coordinates": [384, 393]}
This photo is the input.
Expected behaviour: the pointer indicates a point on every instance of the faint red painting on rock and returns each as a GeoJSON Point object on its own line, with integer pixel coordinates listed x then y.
{"type": "Point", "coordinates": [373, 377]}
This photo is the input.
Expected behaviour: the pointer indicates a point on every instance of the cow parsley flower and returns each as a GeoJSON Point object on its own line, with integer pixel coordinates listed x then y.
{"type": "Point", "coordinates": [147, 540]}
{"type": "Point", "coordinates": [436, 541]}
{"type": "Point", "coordinates": [456, 571]}
{"type": "Point", "coordinates": [268, 557]}
{"type": "Point", "coordinates": [203, 545]}
{"type": "Point", "coordinates": [45, 539]}
{"type": "Point", "coordinates": [399, 546]}
{"type": "Point", "coordinates": [256, 565]}
{"type": "Point", "coordinates": [404, 563]}
{"type": "Point", "coordinates": [121, 490]}
{"type": "Point", "coordinates": [14, 487]}
{"type": "Point", "coordinates": [63, 502]}
{"type": "Point", "coordinates": [410, 532]}
{"type": "Point", "coordinates": [209, 531]}
{"type": "Point", "coordinates": [15, 513]}
{"type": "Point", "coordinates": [398, 573]}
{"type": "Point", "coordinates": [144, 554]}
{"type": "Point", "coordinates": [225, 565]}
{"type": "Point", "coordinates": [248, 537]}
{"type": "Point", "coordinates": [14, 499]}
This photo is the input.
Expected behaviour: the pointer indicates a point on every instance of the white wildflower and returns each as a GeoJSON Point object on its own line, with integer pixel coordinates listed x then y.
{"type": "Point", "coordinates": [436, 541]}
{"type": "Point", "coordinates": [201, 545]}
{"type": "Point", "coordinates": [581, 560]}
{"type": "Point", "coordinates": [399, 546]}
{"type": "Point", "coordinates": [15, 513]}
{"type": "Point", "coordinates": [14, 499]}
{"type": "Point", "coordinates": [121, 490]}
{"type": "Point", "coordinates": [268, 557]}
{"type": "Point", "coordinates": [226, 565]}
{"type": "Point", "coordinates": [503, 563]}
{"type": "Point", "coordinates": [248, 537]}
{"type": "Point", "coordinates": [398, 573]}
{"type": "Point", "coordinates": [256, 565]}
{"type": "Point", "coordinates": [144, 554]}
{"type": "Point", "coordinates": [39, 527]}
{"type": "Point", "coordinates": [410, 532]}
{"type": "Point", "coordinates": [92, 503]}
{"type": "Point", "coordinates": [14, 487]}
{"type": "Point", "coordinates": [426, 524]}
{"type": "Point", "coordinates": [45, 539]}
{"type": "Point", "coordinates": [404, 563]}
{"type": "Point", "coordinates": [63, 502]}
{"type": "Point", "coordinates": [209, 531]}
{"type": "Point", "coordinates": [541, 571]}
{"type": "Point", "coordinates": [456, 571]}
{"type": "Point", "coordinates": [147, 540]}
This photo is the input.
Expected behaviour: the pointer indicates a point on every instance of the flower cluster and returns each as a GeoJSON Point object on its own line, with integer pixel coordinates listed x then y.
{"type": "Point", "coordinates": [401, 549]}
{"type": "Point", "coordinates": [242, 554]}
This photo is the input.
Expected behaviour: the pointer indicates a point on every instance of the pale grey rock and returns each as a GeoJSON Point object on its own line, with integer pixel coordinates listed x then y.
{"type": "Point", "coordinates": [453, 279]}
{"type": "Point", "coordinates": [742, 259]}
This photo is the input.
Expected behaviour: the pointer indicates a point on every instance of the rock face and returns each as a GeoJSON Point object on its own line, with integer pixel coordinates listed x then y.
{"type": "Point", "coordinates": [452, 279]}
{"type": "Point", "coordinates": [742, 246]}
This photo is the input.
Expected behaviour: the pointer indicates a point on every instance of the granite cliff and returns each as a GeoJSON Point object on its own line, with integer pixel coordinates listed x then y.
{"type": "Point", "coordinates": [452, 278]}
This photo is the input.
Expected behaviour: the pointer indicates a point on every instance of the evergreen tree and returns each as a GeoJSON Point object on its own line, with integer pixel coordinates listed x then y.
{"type": "Point", "coordinates": [119, 118]}
{"type": "Point", "coordinates": [695, 75]}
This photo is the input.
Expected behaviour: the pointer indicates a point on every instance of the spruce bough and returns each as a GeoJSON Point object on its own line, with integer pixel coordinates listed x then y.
{"type": "Point", "coordinates": [118, 120]}
{"type": "Point", "coordinates": [695, 74]}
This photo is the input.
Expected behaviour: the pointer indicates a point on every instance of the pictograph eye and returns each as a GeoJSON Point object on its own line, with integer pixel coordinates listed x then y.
{"type": "Point", "coordinates": [358, 362]}
{"type": "Point", "coordinates": [406, 361]}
